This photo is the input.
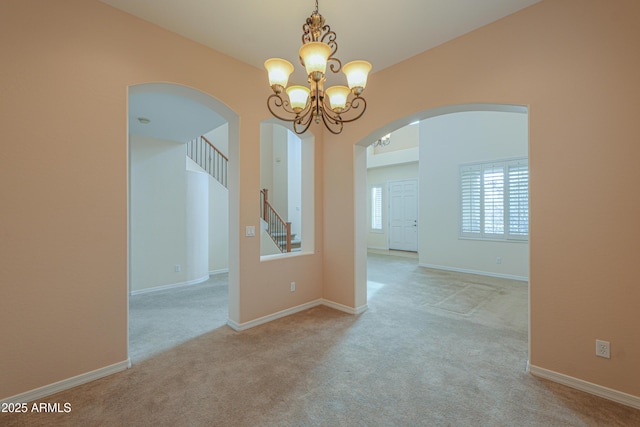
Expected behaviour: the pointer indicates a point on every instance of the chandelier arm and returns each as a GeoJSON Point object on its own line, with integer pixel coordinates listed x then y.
{"type": "Point", "coordinates": [306, 34]}
{"type": "Point", "coordinates": [279, 103]}
{"type": "Point", "coordinates": [330, 39]}
{"type": "Point", "coordinates": [330, 122]}
{"type": "Point", "coordinates": [299, 121]}
{"type": "Point", "coordinates": [283, 104]}
{"type": "Point", "coordinates": [346, 108]}
{"type": "Point", "coordinates": [333, 67]}
{"type": "Point", "coordinates": [355, 104]}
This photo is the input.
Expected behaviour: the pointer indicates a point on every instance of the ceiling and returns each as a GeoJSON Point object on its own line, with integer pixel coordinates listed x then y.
{"type": "Point", "coordinates": [381, 32]}
{"type": "Point", "coordinates": [172, 117]}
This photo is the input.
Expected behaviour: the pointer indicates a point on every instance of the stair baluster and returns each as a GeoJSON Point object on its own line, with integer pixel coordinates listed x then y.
{"type": "Point", "coordinates": [276, 226]}
{"type": "Point", "coordinates": [208, 157]}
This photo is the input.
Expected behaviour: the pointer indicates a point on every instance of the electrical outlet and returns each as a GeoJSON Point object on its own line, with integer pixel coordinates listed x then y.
{"type": "Point", "coordinates": [178, 268]}
{"type": "Point", "coordinates": [293, 286]}
{"type": "Point", "coordinates": [499, 260]}
{"type": "Point", "coordinates": [602, 349]}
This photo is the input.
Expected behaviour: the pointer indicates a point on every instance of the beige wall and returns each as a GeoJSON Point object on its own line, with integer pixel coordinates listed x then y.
{"type": "Point", "coordinates": [63, 221]}
{"type": "Point", "coordinates": [575, 64]}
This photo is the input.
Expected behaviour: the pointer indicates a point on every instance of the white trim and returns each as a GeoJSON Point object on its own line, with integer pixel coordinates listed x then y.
{"type": "Point", "coordinates": [63, 385]}
{"type": "Point", "coordinates": [598, 390]}
{"type": "Point", "coordinates": [220, 271]}
{"type": "Point", "coordinates": [344, 308]}
{"type": "Point", "coordinates": [270, 317]}
{"type": "Point", "coordinates": [289, 311]}
{"type": "Point", "coordinates": [171, 286]}
{"type": "Point", "coordinates": [481, 273]}
{"type": "Point", "coordinates": [277, 256]}
{"type": "Point", "coordinates": [378, 248]}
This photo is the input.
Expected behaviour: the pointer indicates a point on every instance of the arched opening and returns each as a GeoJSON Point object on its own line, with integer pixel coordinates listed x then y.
{"type": "Point", "coordinates": [287, 175]}
{"type": "Point", "coordinates": [480, 269]}
{"type": "Point", "coordinates": [182, 200]}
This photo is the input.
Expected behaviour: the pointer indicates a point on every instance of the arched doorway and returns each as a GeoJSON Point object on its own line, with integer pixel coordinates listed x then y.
{"type": "Point", "coordinates": [174, 225]}
{"type": "Point", "coordinates": [496, 133]}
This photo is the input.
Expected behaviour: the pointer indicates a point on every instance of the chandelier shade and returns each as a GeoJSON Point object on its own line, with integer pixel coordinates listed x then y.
{"type": "Point", "coordinates": [301, 105]}
{"type": "Point", "coordinates": [298, 96]}
{"type": "Point", "coordinates": [314, 57]}
{"type": "Point", "coordinates": [279, 71]}
{"type": "Point", "coordinates": [357, 73]}
{"type": "Point", "coordinates": [338, 96]}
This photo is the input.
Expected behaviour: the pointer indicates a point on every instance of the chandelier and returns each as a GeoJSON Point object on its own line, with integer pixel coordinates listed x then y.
{"type": "Point", "coordinates": [302, 104]}
{"type": "Point", "coordinates": [383, 142]}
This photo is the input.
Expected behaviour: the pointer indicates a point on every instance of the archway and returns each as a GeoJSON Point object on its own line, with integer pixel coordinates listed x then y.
{"type": "Point", "coordinates": [477, 262]}
{"type": "Point", "coordinates": [169, 218]}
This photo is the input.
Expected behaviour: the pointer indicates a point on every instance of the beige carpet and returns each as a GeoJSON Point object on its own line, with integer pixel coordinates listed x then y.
{"type": "Point", "coordinates": [434, 349]}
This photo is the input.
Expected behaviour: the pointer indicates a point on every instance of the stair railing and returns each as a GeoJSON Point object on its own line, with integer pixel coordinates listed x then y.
{"type": "Point", "coordinates": [277, 227]}
{"type": "Point", "coordinates": [208, 157]}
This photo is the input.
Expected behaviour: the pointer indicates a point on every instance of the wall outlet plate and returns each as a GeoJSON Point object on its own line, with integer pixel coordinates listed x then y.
{"type": "Point", "coordinates": [603, 349]}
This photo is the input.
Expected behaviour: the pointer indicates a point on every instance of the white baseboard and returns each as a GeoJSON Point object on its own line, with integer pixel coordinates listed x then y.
{"type": "Point", "coordinates": [481, 273]}
{"type": "Point", "coordinates": [59, 386]}
{"type": "Point", "coordinates": [171, 286]}
{"type": "Point", "coordinates": [220, 271]}
{"type": "Point", "coordinates": [344, 308]}
{"type": "Point", "coordinates": [378, 248]}
{"type": "Point", "coordinates": [598, 390]}
{"type": "Point", "coordinates": [265, 319]}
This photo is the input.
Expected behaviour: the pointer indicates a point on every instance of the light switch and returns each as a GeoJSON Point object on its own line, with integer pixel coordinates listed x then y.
{"type": "Point", "coordinates": [250, 231]}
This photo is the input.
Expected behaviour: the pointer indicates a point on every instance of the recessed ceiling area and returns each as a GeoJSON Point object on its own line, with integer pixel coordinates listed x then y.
{"type": "Point", "coordinates": [381, 32]}
{"type": "Point", "coordinates": [171, 117]}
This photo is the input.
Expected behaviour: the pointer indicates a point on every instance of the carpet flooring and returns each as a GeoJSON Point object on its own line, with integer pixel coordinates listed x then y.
{"type": "Point", "coordinates": [434, 349]}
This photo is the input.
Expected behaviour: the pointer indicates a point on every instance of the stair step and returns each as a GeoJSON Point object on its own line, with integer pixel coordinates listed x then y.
{"type": "Point", "coordinates": [295, 244]}
{"type": "Point", "coordinates": [283, 235]}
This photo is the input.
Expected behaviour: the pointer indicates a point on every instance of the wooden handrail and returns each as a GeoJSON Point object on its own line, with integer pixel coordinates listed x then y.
{"type": "Point", "coordinates": [288, 226]}
{"type": "Point", "coordinates": [275, 212]}
{"type": "Point", "coordinates": [215, 148]}
{"type": "Point", "coordinates": [208, 157]}
{"type": "Point", "coordinates": [265, 197]}
{"type": "Point", "coordinates": [267, 208]}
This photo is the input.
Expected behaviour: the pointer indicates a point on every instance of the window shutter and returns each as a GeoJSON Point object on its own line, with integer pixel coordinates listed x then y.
{"type": "Point", "coordinates": [518, 182]}
{"type": "Point", "coordinates": [376, 208]}
{"type": "Point", "coordinates": [494, 200]}
{"type": "Point", "coordinates": [470, 200]}
{"type": "Point", "coordinates": [493, 203]}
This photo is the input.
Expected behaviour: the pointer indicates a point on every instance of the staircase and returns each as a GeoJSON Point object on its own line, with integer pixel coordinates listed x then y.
{"type": "Point", "coordinates": [277, 228]}
{"type": "Point", "coordinates": [208, 157]}
{"type": "Point", "coordinates": [281, 240]}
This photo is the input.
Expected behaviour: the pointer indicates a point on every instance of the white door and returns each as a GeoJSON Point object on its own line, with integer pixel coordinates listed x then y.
{"type": "Point", "coordinates": [403, 215]}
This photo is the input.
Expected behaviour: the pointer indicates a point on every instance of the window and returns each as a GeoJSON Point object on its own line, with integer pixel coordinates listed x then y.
{"type": "Point", "coordinates": [376, 207]}
{"type": "Point", "coordinates": [494, 200]}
